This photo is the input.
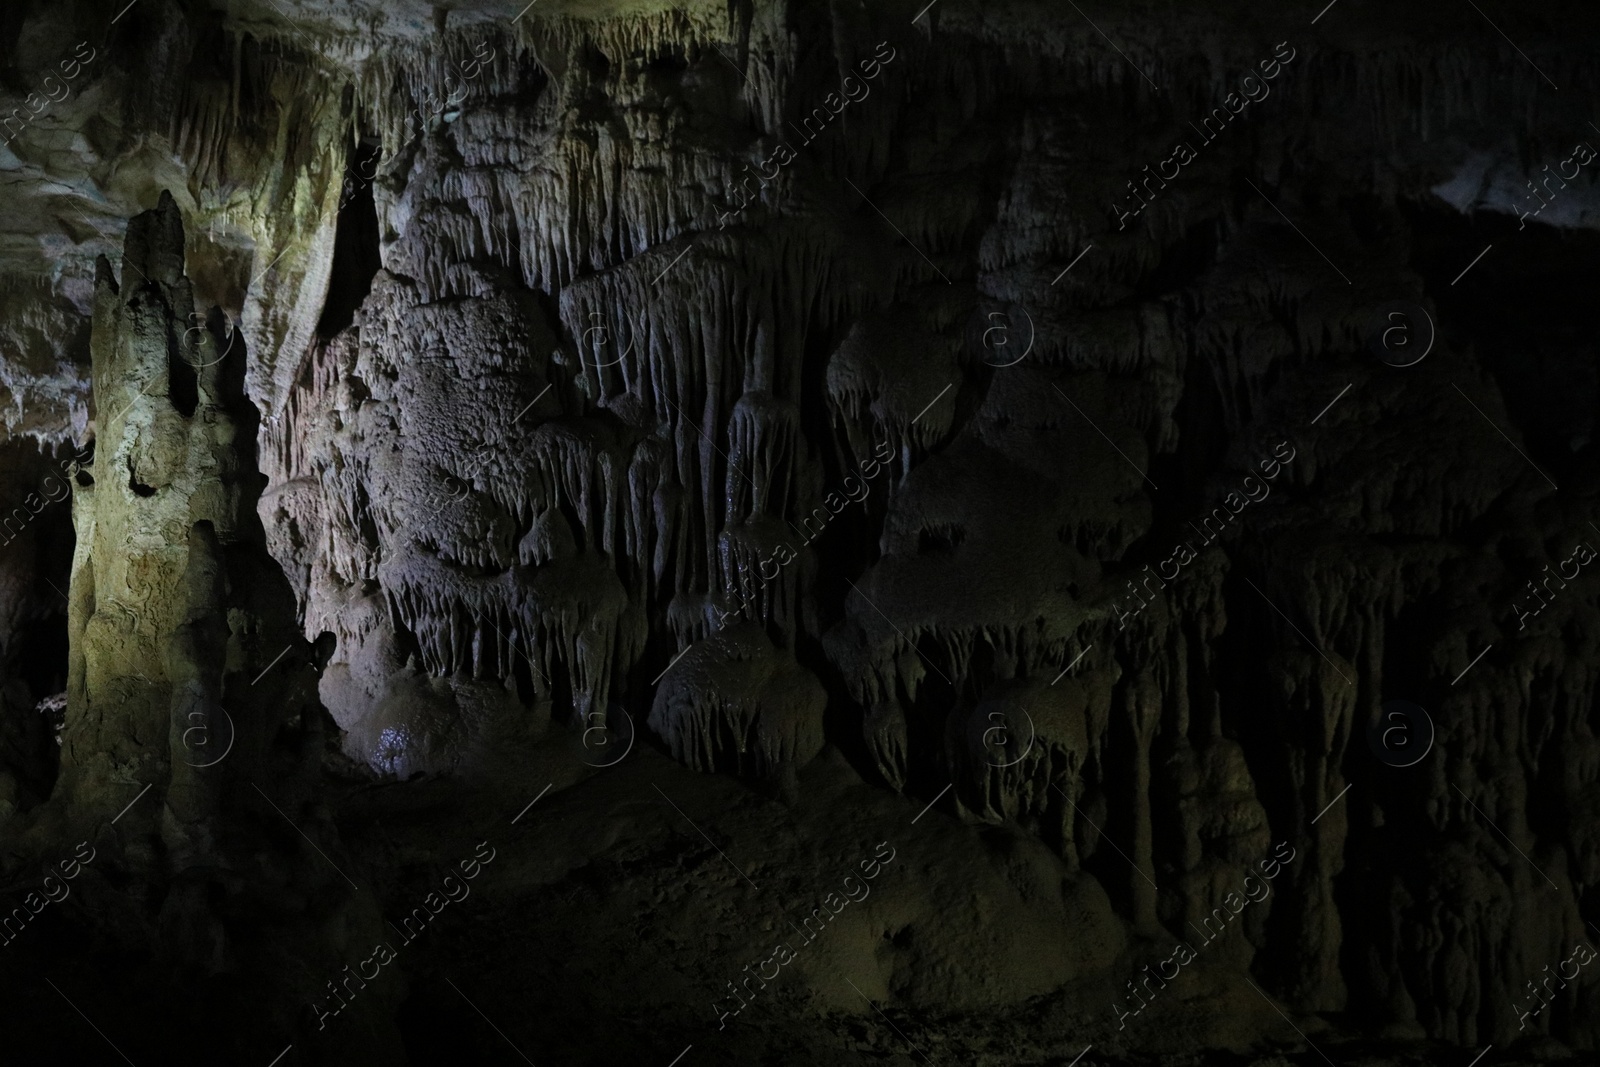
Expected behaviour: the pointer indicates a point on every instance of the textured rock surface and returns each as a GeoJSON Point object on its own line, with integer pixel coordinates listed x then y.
{"type": "Point", "coordinates": [535, 402]}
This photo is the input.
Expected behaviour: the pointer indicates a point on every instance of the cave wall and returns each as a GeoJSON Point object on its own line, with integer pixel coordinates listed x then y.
{"type": "Point", "coordinates": [619, 419]}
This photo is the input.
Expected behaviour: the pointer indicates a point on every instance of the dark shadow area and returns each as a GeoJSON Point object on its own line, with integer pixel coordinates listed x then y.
{"type": "Point", "coordinates": [355, 244]}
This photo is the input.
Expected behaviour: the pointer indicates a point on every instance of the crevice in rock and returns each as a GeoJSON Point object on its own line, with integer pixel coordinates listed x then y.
{"type": "Point", "coordinates": [355, 245]}
{"type": "Point", "coordinates": [183, 384]}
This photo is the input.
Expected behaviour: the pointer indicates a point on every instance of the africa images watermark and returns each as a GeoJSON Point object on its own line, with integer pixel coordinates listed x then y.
{"type": "Point", "coordinates": [33, 903]}
{"type": "Point", "coordinates": [77, 62]}
{"type": "Point", "coordinates": [1581, 557]}
{"type": "Point", "coordinates": [1561, 975]}
{"type": "Point", "coordinates": [832, 904]}
{"type": "Point", "coordinates": [1232, 504]}
{"type": "Point", "coordinates": [1183, 153]}
{"type": "Point", "coordinates": [833, 106]}
{"type": "Point", "coordinates": [833, 504]}
{"type": "Point", "coordinates": [444, 110]}
{"type": "Point", "coordinates": [35, 504]}
{"type": "Point", "coordinates": [1408, 738]}
{"type": "Point", "coordinates": [1184, 953]}
{"type": "Point", "coordinates": [1582, 155]}
{"type": "Point", "coordinates": [67, 869]}
{"type": "Point", "coordinates": [384, 953]}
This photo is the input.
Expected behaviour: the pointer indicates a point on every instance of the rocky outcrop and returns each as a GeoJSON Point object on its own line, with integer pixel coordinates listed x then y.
{"type": "Point", "coordinates": [955, 430]}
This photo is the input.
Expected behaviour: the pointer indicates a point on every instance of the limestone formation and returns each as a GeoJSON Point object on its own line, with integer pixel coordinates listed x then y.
{"type": "Point", "coordinates": [563, 431]}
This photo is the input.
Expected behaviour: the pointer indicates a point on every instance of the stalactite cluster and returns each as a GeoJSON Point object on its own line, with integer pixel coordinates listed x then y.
{"type": "Point", "coordinates": [506, 371]}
